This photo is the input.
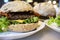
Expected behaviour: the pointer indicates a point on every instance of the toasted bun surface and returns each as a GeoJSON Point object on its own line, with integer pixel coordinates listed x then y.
{"type": "Point", "coordinates": [22, 27]}
{"type": "Point", "coordinates": [16, 6]}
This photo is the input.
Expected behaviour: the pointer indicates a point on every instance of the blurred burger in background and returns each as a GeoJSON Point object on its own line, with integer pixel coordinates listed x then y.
{"type": "Point", "coordinates": [45, 10]}
{"type": "Point", "coordinates": [20, 15]}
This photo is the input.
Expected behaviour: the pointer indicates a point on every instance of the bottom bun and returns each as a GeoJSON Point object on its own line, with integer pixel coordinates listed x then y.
{"type": "Point", "coordinates": [23, 27]}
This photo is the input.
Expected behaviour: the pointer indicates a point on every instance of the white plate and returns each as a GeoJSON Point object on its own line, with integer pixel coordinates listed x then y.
{"type": "Point", "coordinates": [13, 35]}
{"type": "Point", "coordinates": [53, 27]}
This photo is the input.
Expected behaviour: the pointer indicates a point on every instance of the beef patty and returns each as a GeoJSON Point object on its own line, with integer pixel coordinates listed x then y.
{"type": "Point", "coordinates": [18, 15]}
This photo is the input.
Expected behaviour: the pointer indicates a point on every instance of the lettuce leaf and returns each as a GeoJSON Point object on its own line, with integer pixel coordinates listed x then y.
{"type": "Point", "coordinates": [57, 20]}
{"type": "Point", "coordinates": [50, 21]}
{"type": "Point", "coordinates": [54, 20]}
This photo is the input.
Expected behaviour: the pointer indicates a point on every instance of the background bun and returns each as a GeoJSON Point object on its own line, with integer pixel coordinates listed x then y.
{"type": "Point", "coordinates": [16, 6]}
{"type": "Point", "coordinates": [45, 9]}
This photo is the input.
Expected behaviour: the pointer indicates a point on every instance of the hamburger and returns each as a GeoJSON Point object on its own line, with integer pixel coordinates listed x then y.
{"type": "Point", "coordinates": [20, 15]}
{"type": "Point", "coordinates": [45, 10]}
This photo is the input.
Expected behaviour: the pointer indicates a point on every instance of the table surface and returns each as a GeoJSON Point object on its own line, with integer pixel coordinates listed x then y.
{"type": "Point", "coordinates": [45, 34]}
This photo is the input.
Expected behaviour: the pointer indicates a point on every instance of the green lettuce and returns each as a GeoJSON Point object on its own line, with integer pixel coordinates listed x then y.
{"type": "Point", "coordinates": [52, 20]}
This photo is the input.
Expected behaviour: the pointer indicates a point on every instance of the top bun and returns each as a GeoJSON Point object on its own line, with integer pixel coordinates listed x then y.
{"type": "Point", "coordinates": [45, 9]}
{"type": "Point", "coordinates": [16, 6]}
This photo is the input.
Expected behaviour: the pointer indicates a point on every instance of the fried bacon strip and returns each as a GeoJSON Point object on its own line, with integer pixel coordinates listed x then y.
{"type": "Point", "coordinates": [3, 14]}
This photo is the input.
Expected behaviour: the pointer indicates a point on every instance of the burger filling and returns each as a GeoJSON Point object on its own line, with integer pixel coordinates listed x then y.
{"type": "Point", "coordinates": [20, 15]}
{"type": "Point", "coordinates": [7, 19]}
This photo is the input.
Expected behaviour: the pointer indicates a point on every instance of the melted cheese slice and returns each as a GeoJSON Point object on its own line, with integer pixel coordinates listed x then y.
{"type": "Point", "coordinates": [19, 21]}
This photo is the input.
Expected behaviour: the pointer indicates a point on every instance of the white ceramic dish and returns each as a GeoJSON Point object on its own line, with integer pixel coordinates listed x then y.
{"type": "Point", "coordinates": [53, 27]}
{"type": "Point", "coordinates": [13, 35]}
